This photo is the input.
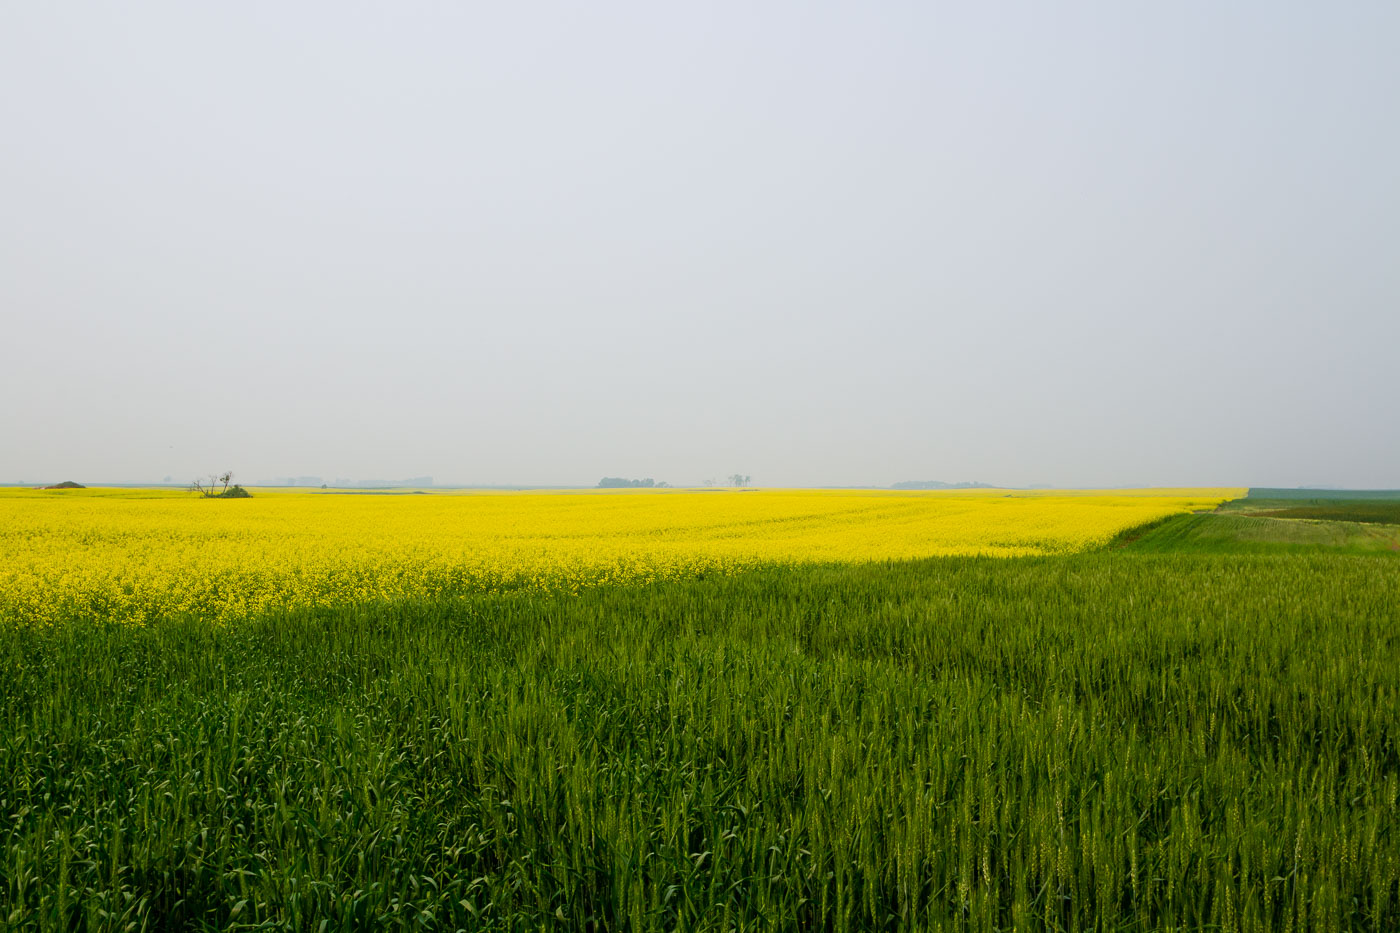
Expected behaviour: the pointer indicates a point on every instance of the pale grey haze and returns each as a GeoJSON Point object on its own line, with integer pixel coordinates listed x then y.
{"type": "Point", "coordinates": [816, 243]}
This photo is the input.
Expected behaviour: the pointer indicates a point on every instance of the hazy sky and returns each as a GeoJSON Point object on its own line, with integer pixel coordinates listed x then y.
{"type": "Point", "coordinates": [1072, 243]}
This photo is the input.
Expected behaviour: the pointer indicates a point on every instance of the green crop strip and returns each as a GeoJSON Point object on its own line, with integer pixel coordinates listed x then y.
{"type": "Point", "coordinates": [1114, 741]}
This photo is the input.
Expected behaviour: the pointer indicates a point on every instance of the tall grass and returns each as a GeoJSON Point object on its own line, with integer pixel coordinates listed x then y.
{"type": "Point", "coordinates": [1105, 741]}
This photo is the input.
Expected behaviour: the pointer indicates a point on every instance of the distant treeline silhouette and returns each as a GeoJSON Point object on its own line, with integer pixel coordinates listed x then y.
{"type": "Point", "coordinates": [935, 484]}
{"type": "Point", "coordinates": [617, 482]}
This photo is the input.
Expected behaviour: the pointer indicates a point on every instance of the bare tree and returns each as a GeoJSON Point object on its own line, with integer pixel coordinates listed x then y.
{"type": "Point", "coordinates": [215, 485]}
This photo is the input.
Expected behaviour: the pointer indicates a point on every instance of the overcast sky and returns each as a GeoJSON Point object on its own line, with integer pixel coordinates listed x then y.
{"type": "Point", "coordinates": [1074, 243]}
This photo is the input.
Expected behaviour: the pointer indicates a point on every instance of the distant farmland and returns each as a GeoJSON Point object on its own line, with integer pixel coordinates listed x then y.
{"type": "Point", "coordinates": [737, 711]}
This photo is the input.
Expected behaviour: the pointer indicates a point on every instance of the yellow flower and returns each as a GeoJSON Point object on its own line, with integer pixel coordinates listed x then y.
{"type": "Point", "coordinates": [132, 560]}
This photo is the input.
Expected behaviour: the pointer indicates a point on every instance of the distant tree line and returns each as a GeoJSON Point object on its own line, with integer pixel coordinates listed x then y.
{"type": "Point", "coordinates": [935, 484]}
{"type": "Point", "coordinates": [617, 482]}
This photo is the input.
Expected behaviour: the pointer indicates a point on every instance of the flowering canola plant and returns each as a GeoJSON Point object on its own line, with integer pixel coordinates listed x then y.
{"type": "Point", "coordinates": [131, 557]}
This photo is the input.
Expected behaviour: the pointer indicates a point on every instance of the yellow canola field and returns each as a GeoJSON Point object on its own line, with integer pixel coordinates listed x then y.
{"type": "Point", "coordinates": [130, 557]}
